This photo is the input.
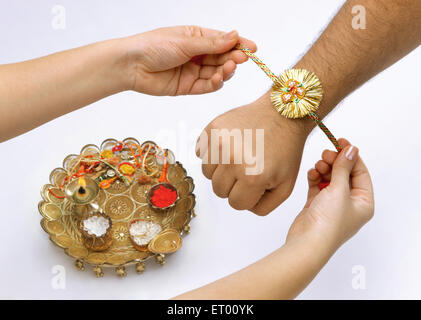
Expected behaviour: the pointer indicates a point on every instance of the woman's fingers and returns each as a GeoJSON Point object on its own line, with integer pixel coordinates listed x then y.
{"type": "Point", "coordinates": [212, 78]}
{"type": "Point", "coordinates": [360, 177]}
{"type": "Point", "coordinates": [226, 71]}
{"type": "Point", "coordinates": [343, 142]}
{"type": "Point", "coordinates": [207, 32]}
{"type": "Point", "coordinates": [211, 45]}
{"type": "Point", "coordinates": [215, 56]}
{"type": "Point", "coordinates": [208, 41]}
{"type": "Point", "coordinates": [201, 86]}
{"type": "Point", "coordinates": [329, 156]}
{"type": "Point", "coordinates": [322, 167]}
{"type": "Point", "coordinates": [238, 56]}
{"type": "Point", "coordinates": [219, 59]}
{"type": "Point", "coordinates": [248, 44]}
{"type": "Point", "coordinates": [313, 178]}
{"type": "Point", "coordinates": [343, 166]}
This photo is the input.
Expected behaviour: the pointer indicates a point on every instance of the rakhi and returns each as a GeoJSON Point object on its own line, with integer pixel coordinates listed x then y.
{"type": "Point", "coordinates": [296, 93]}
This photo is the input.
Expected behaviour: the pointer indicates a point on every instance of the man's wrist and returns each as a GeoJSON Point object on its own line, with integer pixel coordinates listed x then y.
{"type": "Point", "coordinates": [299, 126]}
{"type": "Point", "coordinates": [333, 92]}
{"type": "Point", "coordinates": [332, 95]}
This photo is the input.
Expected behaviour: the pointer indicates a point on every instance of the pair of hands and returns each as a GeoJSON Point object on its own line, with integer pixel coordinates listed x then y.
{"type": "Point", "coordinates": [193, 60]}
{"type": "Point", "coordinates": [159, 62]}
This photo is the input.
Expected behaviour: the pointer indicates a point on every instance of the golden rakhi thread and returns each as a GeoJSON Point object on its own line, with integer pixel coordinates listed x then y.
{"type": "Point", "coordinates": [296, 93]}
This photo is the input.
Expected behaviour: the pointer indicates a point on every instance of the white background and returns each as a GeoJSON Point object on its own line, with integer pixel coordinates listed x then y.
{"type": "Point", "coordinates": [382, 118]}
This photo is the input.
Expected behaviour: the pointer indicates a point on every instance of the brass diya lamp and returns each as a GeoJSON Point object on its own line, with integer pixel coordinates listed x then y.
{"type": "Point", "coordinates": [81, 193]}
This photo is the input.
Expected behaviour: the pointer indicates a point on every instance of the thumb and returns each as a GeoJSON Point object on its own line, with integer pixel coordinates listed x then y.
{"type": "Point", "coordinates": [343, 166]}
{"type": "Point", "coordinates": [213, 45]}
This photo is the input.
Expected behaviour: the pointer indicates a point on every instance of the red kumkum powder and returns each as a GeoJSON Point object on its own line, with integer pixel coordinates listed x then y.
{"type": "Point", "coordinates": [163, 197]}
{"type": "Point", "coordinates": [323, 184]}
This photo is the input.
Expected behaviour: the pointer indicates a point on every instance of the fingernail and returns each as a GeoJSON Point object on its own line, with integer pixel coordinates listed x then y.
{"type": "Point", "coordinates": [350, 154]}
{"type": "Point", "coordinates": [230, 35]}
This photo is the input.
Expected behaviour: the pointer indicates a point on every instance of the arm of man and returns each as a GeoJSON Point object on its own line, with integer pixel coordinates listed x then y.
{"type": "Point", "coordinates": [343, 58]}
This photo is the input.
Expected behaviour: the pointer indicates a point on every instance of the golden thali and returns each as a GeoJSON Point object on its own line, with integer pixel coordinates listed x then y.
{"type": "Point", "coordinates": [124, 201]}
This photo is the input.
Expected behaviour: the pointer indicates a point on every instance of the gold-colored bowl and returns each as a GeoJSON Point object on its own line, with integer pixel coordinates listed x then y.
{"type": "Point", "coordinates": [91, 241]}
{"type": "Point", "coordinates": [123, 204]}
{"type": "Point", "coordinates": [155, 187]}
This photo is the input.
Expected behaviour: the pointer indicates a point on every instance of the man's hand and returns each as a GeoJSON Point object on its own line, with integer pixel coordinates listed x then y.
{"type": "Point", "coordinates": [343, 58]}
{"type": "Point", "coordinates": [283, 145]}
{"type": "Point", "coordinates": [160, 61]}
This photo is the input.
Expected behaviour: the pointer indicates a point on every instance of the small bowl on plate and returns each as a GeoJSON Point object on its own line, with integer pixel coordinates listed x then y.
{"type": "Point", "coordinates": [153, 196]}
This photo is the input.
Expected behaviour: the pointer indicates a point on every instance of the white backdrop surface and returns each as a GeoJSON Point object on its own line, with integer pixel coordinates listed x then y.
{"type": "Point", "coordinates": [383, 125]}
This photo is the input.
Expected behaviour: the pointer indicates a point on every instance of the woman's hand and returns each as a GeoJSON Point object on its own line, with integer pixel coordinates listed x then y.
{"type": "Point", "coordinates": [156, 62]}
{"type": "Point", "coordinates": [183, 60]}
{"type": "Point", "coordinates": [330, 217]}
{"type": "Point", "coordinates": [335, 213]}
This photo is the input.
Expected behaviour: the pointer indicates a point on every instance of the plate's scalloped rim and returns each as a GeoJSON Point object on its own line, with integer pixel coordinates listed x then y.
{"type": "Point", "coordinates": [45, 218]}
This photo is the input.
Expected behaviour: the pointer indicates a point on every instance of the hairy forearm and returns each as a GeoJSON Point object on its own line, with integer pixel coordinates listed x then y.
{"type": "Point", "coordinates": [344, 58]}
{"type": "Point", "coordinates": [281, 275]}
{"type": "Point", "coordinates": [36, 91]}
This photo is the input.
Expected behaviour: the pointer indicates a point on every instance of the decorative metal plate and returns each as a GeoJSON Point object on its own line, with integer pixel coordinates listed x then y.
{"type": "Point", "coordinates": [123, 204]}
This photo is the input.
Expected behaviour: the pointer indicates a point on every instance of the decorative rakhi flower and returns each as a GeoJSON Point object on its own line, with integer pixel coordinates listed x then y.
{"type": "Point", "coordinates": [297, 93]}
